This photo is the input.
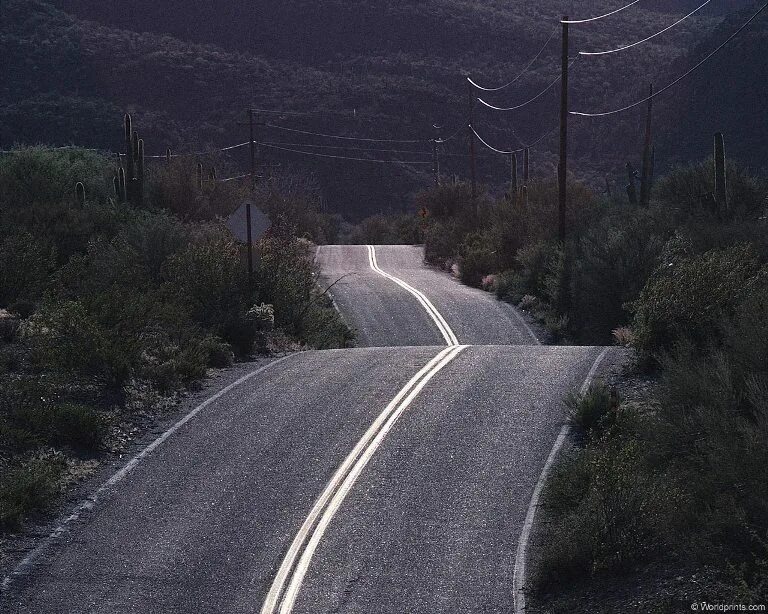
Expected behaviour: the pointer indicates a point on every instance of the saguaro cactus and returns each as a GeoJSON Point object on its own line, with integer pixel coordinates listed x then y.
{"type": "Point", "coordinates": [80, 192]}
{"type": "Point", "coordinates": [721, 194]}
{"type": "Point", "coordinates": [199, 175]}
{"type": "Point", "coordinates": [168, 155]}
{"type": "Point", "coordinates": [134, 165]}
{"type": "Point", "coordinates": [130, 172]}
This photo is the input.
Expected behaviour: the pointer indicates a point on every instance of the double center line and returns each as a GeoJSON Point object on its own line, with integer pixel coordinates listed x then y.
{"type": "Point", "coordinates": [442, 325]}
{"type": "Point", "coordinates": [287, 583]}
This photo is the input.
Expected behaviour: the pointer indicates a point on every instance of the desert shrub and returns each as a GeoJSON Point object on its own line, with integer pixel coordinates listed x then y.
{"type": "Point", "coordinates": [48, 176]}
{"type": "Point", "coordinates": [690, 296]}
{"type": "Point", "coordinates": [67, 338]}
{"type": "Point", "coordinates": [611, 263]}
{"type": "Point", "coordinates": [446, 201]}
{"type": "Point", "coordinates": [690, 189]}
{"type": "Point", "coordinates": [28, 488]}
{"type": "Point", "coordinates": [476, 259]}
{"type": "Point", "coordinates": [218, 352]}
{"type": "Point", "coordinates": [441, 241]}
{"type": "Point", "coordinates": [78, 426]}
{"type": "Point", "coordinates": [594, 411]}
{"type": "Point", "coordinates": [617, 511]}
{"type": "Point", "coordinates": [25, 263]}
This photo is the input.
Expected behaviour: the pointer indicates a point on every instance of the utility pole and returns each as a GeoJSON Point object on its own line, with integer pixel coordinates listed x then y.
{"type": "Point", "coordinates": [435, 156]}
{"type": "Point", "coordinates": [513, 183]}
{"type": "Point", "coordinates": [251, 128]}
{"type": "Point", "coordinates": [645, 178]}
{"type": "Point", "coordinates": [472, 162]}
{"type": "Point", "coordinates": [562, 169]}
{"type": "Point", "coordinates": [527, 166]}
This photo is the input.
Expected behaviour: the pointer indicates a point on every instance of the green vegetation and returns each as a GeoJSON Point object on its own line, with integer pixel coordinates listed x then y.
{"type": "Point", "coordinates": [103, 302]}
{"type": "Point", "coordinates": [670, 480]}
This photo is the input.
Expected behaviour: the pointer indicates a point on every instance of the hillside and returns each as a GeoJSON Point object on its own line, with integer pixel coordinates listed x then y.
{"type": "Point", "coordinates": [188, 72]}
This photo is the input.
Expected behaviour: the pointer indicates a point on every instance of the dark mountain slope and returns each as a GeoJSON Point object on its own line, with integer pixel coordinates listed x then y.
{"type": "Point", "coordinates": [365, 70]}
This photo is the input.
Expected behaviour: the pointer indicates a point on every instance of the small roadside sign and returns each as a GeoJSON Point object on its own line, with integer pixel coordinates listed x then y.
{"type": "Point", "coordinates": [237, 223]}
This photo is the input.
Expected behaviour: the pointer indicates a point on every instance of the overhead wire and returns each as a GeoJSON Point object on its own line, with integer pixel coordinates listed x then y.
{"type": "Point", "coordinates": [645, 40]}
{"type": "Point", "coordinates": [623, 8]}
{"type": "Point", "coordinates": [320, 155]}
{"type": "Point", "coordinates": [513, 151]}
{"type": "Point", "coordinates": [348, 148]}
{"type": "Point", "coordinates": [679, 79]}
{"type": "Point", "coordinates": [535, 98]}
{"type": "Point", "coordinates": [501, 87]}
{"type": "Point", "coordinates": [346, 138]}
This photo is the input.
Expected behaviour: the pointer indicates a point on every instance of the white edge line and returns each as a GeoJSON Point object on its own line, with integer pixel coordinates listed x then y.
{"type": "Point", "coordinates": [287, 564]}
{"type": "Point", "coordinates": [525, 535]}
{"type": "Point", "coordinates": [525, 324]}
{"type": "Point", "coordinates": [442, 325]}
{"type": "Point", "coordinates": [28, 561]}
{"type": "Point", "coordinates": [306, 558]}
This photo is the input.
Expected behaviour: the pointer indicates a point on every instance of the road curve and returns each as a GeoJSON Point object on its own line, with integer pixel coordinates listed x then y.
{"type": "Point", "coordinates": [383, 314]}
{"type": "Point", "coordinates": [389, 478]}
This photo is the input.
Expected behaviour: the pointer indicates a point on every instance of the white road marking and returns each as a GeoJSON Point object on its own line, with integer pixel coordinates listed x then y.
{"type": "Point", "coordinates": [25, 565]}
{"type": "Point", "coordinates": [522, 321]}
{"type": "Point", "coordinates": [442, 325]}
{"type": "Point", "coordinates": [518, 584]}
{"type": "Point", "coordinates": [339, 486]}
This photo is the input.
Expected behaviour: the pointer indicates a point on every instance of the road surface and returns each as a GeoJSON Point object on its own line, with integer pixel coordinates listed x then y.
{"type": "Point", "coordinates": [389, 478]}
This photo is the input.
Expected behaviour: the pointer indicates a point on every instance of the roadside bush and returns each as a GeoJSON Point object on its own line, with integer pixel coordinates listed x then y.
{"type": "Point", "coordinates": [28, 488]}
{"type": "Point", "coordinates": [66, 338]}
{"type": "Point", "coordinates": [25, 264]}
{"type": "Point", "coordinates": [78, 426]}
{"type": "Point", "coordinates": [691, 296]}
{"type": "Point", "coordinates": [476, 259]}
{"type": "Point", "coordinates": [618, 512]}
{"type": "Point", "coordinates": [594, 411]}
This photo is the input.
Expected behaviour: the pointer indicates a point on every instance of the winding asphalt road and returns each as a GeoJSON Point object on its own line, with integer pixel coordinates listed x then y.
{"type": "Point", "coordinates": [394, 477]}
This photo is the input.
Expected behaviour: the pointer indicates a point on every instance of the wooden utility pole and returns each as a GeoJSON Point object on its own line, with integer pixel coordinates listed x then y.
{"type": "Point", "coordinates": [645, 178]}
{"type": "Point", "coordinates": [562, 168]}
{"type": "Point", "coordinates": [251, 128]}
{"type": "Point", "coordinates": [513, 182]}
{"type": "Point", "coordinates": [435, 156]}
{"type": "Point", "coordinates": [527, 166]}
{"type": "Point", "coordinates": [472, 161]}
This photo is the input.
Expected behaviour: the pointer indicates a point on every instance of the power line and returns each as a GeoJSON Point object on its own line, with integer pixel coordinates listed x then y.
{"type": "Point", "coordinates": [514, 151]}
{"type": "Point", "coordinates": [491, 147]}
{"type": "Point", "coordinates": [645, 40]}
{"type": "Point", "coordinates": [320, 155]}
{"type": "Point", "coordinates": [453, 136]}
{"type": "Point", "coordinates": [346, 138]}
{"type": "Point", "coordinates": [536, 97]}
{"type": "Point", "coordinates": [601, 16]}
{"type": "Point", "coordinates": [501, 87]}
{"type": "Point", "coordinates": [349, 148]}
{"type": "Point", "coordinates": [679, 79]}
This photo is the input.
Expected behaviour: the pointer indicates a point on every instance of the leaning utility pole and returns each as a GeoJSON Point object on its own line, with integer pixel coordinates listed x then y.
{"type": "Point", "coordinates": [562, 168]}
{"type": "Point", "coordinates": [472, 162]}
